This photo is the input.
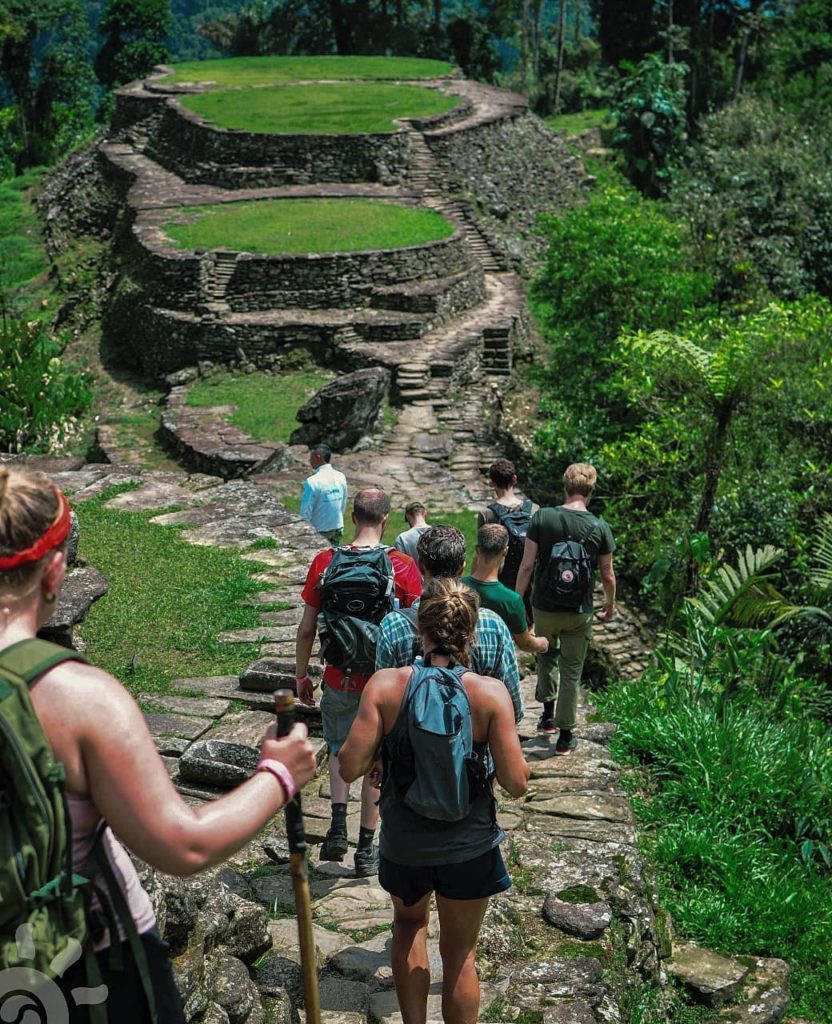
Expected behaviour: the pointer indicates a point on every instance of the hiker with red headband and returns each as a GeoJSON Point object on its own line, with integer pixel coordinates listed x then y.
{"type": "Point", "coordinates": [78, 768]}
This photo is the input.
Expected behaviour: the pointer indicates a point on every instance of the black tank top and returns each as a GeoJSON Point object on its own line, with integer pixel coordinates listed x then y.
{"type": "Point", "coordinates": [410, 839]}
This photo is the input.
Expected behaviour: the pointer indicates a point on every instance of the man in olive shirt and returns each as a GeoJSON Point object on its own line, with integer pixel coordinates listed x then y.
{"type": "Point", "coordinates": [492, 546]}
{"type": "Point", "coordinates": [567, 627]}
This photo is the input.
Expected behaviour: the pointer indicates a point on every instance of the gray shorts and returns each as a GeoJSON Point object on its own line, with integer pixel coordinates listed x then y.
{"type": "Point", "coordinates": [338, 711]}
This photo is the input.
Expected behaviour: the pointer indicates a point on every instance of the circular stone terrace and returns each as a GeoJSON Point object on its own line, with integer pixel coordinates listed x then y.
{"type": "Point", "coordinates": [342, 241]}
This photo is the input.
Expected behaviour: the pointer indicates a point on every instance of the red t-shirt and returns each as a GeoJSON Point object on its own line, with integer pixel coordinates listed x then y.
{"type": "Point", "coordinates": [408, 588]}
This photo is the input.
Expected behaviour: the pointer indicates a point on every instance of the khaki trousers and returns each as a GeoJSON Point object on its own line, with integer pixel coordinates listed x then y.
{"type": "Point", "coordinates": [559, 670]}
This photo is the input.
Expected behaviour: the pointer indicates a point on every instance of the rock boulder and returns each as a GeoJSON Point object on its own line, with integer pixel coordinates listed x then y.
{"type": "Point", "coordinates": [344, 412]}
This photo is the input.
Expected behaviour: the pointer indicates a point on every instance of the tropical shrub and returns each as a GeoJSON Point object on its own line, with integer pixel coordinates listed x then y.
{"type": "Point", "coordinates": [757, 193]}
{"type": "Point", "coordinates": [41, 395]}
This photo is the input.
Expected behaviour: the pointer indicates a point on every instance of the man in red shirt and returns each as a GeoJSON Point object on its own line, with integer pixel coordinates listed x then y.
{"type": "Point", "coordinates": [341, 693]}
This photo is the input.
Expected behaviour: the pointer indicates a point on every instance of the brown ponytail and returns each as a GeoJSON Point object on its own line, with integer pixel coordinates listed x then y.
{"type": "Point", "coordinates": [448, 617]}
{"type": "Point", "coordinates": [28, 506]}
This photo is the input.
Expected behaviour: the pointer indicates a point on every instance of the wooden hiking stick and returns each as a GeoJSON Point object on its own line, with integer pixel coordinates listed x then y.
{"type": "Point", "coordinates": [284, 701]}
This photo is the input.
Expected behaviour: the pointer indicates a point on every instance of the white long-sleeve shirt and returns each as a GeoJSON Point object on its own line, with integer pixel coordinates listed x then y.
{"type": "Point", "coordinates": [324, 499]}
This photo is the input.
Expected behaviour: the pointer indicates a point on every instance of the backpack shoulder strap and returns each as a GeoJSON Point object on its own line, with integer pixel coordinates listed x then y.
{"type": "Point", "coordinates": [527, 506]}
{"type": "Point", "coordinates": [29, 659]}
{"type": "Point", "coordinates": [564, 526]}
{"type": "Point", "coordinates": [411, 614]}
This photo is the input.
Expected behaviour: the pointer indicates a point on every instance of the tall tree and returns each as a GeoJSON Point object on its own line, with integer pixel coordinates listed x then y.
{"type": "Point", "coordinates": [626, 29]}
{"type": "Point", "coordinates": [45, 71]}
{"type": "Point", "coordinates": [134, 39]}
{"type": "Point", "coordinates": [561, 44]}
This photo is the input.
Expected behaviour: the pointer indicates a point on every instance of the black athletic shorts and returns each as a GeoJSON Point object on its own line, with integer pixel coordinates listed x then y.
{"type": "Point", "coordinates": [474, 879]}
{"type": "Point", "coordinates": [125, 1002]}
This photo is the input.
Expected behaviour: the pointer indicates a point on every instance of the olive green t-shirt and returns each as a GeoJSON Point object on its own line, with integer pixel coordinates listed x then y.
{"type": "Point", "coordinates": [508, 604]}
{"type": "Point", "coordinates": [547, 528]}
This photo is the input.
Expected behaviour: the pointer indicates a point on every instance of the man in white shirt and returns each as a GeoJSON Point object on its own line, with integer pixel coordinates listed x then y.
{"type": "Point", "coordinates": [324, 496]}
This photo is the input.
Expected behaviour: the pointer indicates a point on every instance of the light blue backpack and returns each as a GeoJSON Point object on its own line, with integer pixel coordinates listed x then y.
{"type": "Point", "coordinates": [441, 741]}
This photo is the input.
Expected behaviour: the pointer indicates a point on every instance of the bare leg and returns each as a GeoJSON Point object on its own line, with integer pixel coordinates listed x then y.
{"type": "Point", "coordinates": [339, 790]}
{"type": "Point", "coordinates": [409, 958]}
{"type": "Point", "coordinates": [459, 928]}
{"type": "Point", "coordinates": [369, 802]}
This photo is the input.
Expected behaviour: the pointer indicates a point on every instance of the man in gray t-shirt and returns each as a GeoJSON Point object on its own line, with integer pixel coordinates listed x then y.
{"type": "Point", "coordinates": [408, 541]}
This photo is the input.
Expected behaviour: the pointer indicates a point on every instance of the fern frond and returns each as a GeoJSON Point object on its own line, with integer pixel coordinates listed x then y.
{"type": "Point", "coordinates": [821, 574]}
{"type": "Point", "coordinates": [742, 593]}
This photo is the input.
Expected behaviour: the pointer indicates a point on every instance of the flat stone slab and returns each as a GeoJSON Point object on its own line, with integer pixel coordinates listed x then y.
{"type": "Point", "coordinates": [206, 707]}
{"type": "Point", "coordinates": [711, 978]}
{"type": "Point", "coordinates": [260, 634]}
{"type": "Point", "coordinates": [575, 828]}
{"type": "Point", "coordinates": [269, 674]}
{"type": "Point", "coordinates": [534, 986]}
{"type": "Point", "coordinates": [227, 687]}
{"type": "Point", "coordinates": [594, 807]}
{"type": "Point", "coordinates": [338, 994]}
{"type": "Point", "coordinates": [155, 494]}
{"type": "Point", "coordinates": [575, 1011]}
{"type": "Point", "coordinates": [171, 746]}
{"type": "Point", "coordinates": [284, 935]}
{"type": "Point", "coordinates": [354, 909]}
{"type": "Point", "coordinates": [188, 727]}
{"type": "Point", "coordinates": [384, 1006]}
{"type": "Point", "coordinates": [244, 727]}
{"type": "Point", "coordinates": [765, 995]}
{"type": "Point", "coordinates": [369, 962]}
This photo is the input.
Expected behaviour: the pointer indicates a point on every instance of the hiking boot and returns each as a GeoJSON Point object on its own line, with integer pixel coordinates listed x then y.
{"type": "Point", "coordinates": [334, 846]}
{"type": "Point", "coordinates": [366, 862]}
{"type": "Point", "coordinates": [547, 725]}
{"type": "Point", "coordinates": [566, 742]}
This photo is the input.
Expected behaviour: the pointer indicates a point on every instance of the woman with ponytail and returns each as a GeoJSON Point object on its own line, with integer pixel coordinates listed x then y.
{"type": "Point", "coordinates": [114, 782]}
{"type": "Point", "coordinates": [457, 860]}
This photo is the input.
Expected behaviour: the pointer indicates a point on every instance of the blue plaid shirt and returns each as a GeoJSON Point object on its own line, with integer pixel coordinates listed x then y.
{"type": "Point", "coordinates": [493, 652]}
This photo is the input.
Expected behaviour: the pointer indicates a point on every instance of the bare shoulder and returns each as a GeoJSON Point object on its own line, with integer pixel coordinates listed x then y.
{"type": "Point", "coordinates": [486, 690]}
{"type": "Point", "coordinates": [77, 688]}
{"type": "Point", "coordinates": [385, 682]}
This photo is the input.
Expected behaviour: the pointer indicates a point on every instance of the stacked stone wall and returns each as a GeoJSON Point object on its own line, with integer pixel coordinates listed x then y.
{"type": "Point", "coordinates": [200, 152]}
{"type": "Point", "coordinates": [513, 169]}
{"type": "Point", "coordinates": [337, 279]}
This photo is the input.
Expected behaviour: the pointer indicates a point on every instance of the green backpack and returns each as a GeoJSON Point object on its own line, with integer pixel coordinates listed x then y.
{"type": "Point", "coordinates": [44, 920]}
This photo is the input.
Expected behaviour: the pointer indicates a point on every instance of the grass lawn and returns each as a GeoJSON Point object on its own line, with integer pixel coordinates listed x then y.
{"type": "Point", "coordinates": [574, 124]}
{"type": "Point", "coordinates": [167, 602]}
{"type": "Point", "coordinates": [240, 71]}
{"type": "Point", "coordinates": [307, 225]}
{"type": "Point", "coordinates": [23, 262]}
{"type": "Point", "coordinates": [326, 109]}
{"type": "Point", "coordinates": [266, 406]}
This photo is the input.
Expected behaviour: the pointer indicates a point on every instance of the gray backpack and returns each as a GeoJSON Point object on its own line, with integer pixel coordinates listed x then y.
{"type": "Point", "coordinates": [440, 742]}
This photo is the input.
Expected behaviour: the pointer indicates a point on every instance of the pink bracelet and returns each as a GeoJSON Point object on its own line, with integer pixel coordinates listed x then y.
{"type": "Point", "coordinates": [282, 774]}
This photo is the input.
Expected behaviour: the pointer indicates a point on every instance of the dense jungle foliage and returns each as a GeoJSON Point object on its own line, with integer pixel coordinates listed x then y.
{"type": "Point", "coordinates": [687, 324]}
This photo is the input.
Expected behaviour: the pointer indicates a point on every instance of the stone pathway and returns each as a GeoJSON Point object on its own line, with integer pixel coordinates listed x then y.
{"type": "Point", "coordinates": [577, 934]}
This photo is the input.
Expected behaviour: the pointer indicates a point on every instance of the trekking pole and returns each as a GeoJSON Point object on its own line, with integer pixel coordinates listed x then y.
{"type": "Point", "coordinates": [285, 706]}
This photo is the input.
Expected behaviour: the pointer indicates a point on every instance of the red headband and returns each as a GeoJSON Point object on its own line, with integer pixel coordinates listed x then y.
{"type": "Point", "coordinates": [56, 534]}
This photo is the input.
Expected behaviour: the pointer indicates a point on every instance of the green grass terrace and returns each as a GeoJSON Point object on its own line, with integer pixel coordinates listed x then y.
{"type": "Point", "coordinates": [282, 226]}
{"type": "Point", "coordinates": [319, 109]}
{"type": "Point", "coordinates": [236, 72]}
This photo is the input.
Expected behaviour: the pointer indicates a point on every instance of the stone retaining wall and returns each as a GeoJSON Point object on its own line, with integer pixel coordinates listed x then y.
{"type": "Point", "coordinates": [334, 280]}
{"type": "Point", "coordinates": [201, 152]}
{"type": "Point", "coordinates": [488, 159]}
{"type": "Point", "coordinates": [180, 279]}
{"type": "Point", "coordinates": [160, 341]}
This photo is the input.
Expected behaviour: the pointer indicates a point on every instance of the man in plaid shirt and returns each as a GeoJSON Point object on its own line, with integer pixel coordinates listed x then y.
{"type": "Point", "coordinates": [442, 553]}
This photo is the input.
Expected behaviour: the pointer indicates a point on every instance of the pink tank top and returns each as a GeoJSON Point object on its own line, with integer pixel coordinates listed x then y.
{"type": "Point", "coordinates": [85, 822]}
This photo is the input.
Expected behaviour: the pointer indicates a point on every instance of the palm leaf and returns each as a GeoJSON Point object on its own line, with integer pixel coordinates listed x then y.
{"type": "Point", "coordinates": [744, 594]}
{"type": "Point", "coordinates": [821, 574]}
